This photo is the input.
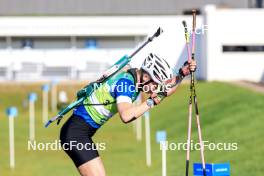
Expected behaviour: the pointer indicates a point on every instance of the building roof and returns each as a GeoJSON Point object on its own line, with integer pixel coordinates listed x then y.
{"type": "Point", "coordinates": [108, 7]}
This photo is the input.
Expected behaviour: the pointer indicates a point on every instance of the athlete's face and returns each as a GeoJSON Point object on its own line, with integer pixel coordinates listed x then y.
{"type": "Point", "coordinates": [151, 86]}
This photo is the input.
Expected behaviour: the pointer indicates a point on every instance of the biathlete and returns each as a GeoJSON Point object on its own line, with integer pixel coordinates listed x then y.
{"type": "Point", "coordinates": [116, 95]}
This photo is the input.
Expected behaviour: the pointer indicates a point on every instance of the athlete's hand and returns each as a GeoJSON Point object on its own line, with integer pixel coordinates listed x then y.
{"type": "Point", "coordinates": [157, 98]}
{"type": "Point", "coordinates": [189, 67]}
{"type": "Point", "coordinates": [171, 81]}
{"type": "Point", "coordinates": [192, 65]}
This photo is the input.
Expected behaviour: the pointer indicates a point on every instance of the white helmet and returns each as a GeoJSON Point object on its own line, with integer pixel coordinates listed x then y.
{"type": "Point", "coordinates": [157, 68]}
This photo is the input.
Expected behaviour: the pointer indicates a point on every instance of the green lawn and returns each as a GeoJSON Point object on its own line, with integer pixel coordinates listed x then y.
{"type": "Point", "coordinates": [228, 114]}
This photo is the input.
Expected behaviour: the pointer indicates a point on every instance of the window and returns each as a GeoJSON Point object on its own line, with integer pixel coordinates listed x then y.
{"type": "Point", "coordinates": [107, 42]}
{"type": "Point", "coordinates": [243, 48]}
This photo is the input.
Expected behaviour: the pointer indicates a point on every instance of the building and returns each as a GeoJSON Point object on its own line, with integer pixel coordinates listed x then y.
{"type": "Point", "coordinates": [44, 40]}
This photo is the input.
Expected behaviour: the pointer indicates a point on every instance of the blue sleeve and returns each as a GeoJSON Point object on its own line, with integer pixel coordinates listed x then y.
{"type": "Point", "coordinates": [124, 88]}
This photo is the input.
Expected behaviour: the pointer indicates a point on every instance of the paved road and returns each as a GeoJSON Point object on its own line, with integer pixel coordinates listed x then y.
{"type": "Point", "coordinates": [258, 87]}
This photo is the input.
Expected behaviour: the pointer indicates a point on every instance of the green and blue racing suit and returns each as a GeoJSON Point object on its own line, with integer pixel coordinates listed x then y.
{"type": "Point", "coordinates": [118, 89]}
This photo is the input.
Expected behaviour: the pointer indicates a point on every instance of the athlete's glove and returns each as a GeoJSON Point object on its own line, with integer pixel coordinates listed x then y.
{"type": "Point", "coordinates": [158, 97]}
{"type": "Point", "coordinates": [187, 68]}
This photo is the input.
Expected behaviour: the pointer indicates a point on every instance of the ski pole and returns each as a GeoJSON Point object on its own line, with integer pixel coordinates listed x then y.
{"type": "Point", "coordinates": [195, 97]}
{"type": "Point", "coordinates": [187, 38]}
{"type": "Point", "coordinates": [126, 59]}
{"type": "Point", "coordinates": [156, 34]}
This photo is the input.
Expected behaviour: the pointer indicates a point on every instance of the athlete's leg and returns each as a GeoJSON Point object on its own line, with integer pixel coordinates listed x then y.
{"type": "Point", "coordinates": [87, 160]}
{"type": "Point", "coordinates": [93, 167]}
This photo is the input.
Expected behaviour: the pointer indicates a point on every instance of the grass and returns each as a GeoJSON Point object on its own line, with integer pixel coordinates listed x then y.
{"type": "Point", "coordinates": [229, 114]}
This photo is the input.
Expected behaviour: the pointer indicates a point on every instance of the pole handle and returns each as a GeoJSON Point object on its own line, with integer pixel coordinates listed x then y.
{"type": "Point", "coordinates": [186, 31]}
{"type": "Point", "coordinates": [193, 33]}
{"type": "Point", "coordinates": [194, 19]}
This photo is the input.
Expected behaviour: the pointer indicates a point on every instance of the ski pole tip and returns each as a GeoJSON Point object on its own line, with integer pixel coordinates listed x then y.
{"type": "Point", "coordinates": [47, 124]}
{"type": "Point", "coordinates": [159, 31]}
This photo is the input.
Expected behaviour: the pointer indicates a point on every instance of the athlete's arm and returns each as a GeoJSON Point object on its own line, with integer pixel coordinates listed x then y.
{"type": "Point", "coordinates": [129, 112]}
{"type": "Point", "coordinates": [186, 70]}
{"type": "Point", "coordinates": [124, 92]}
